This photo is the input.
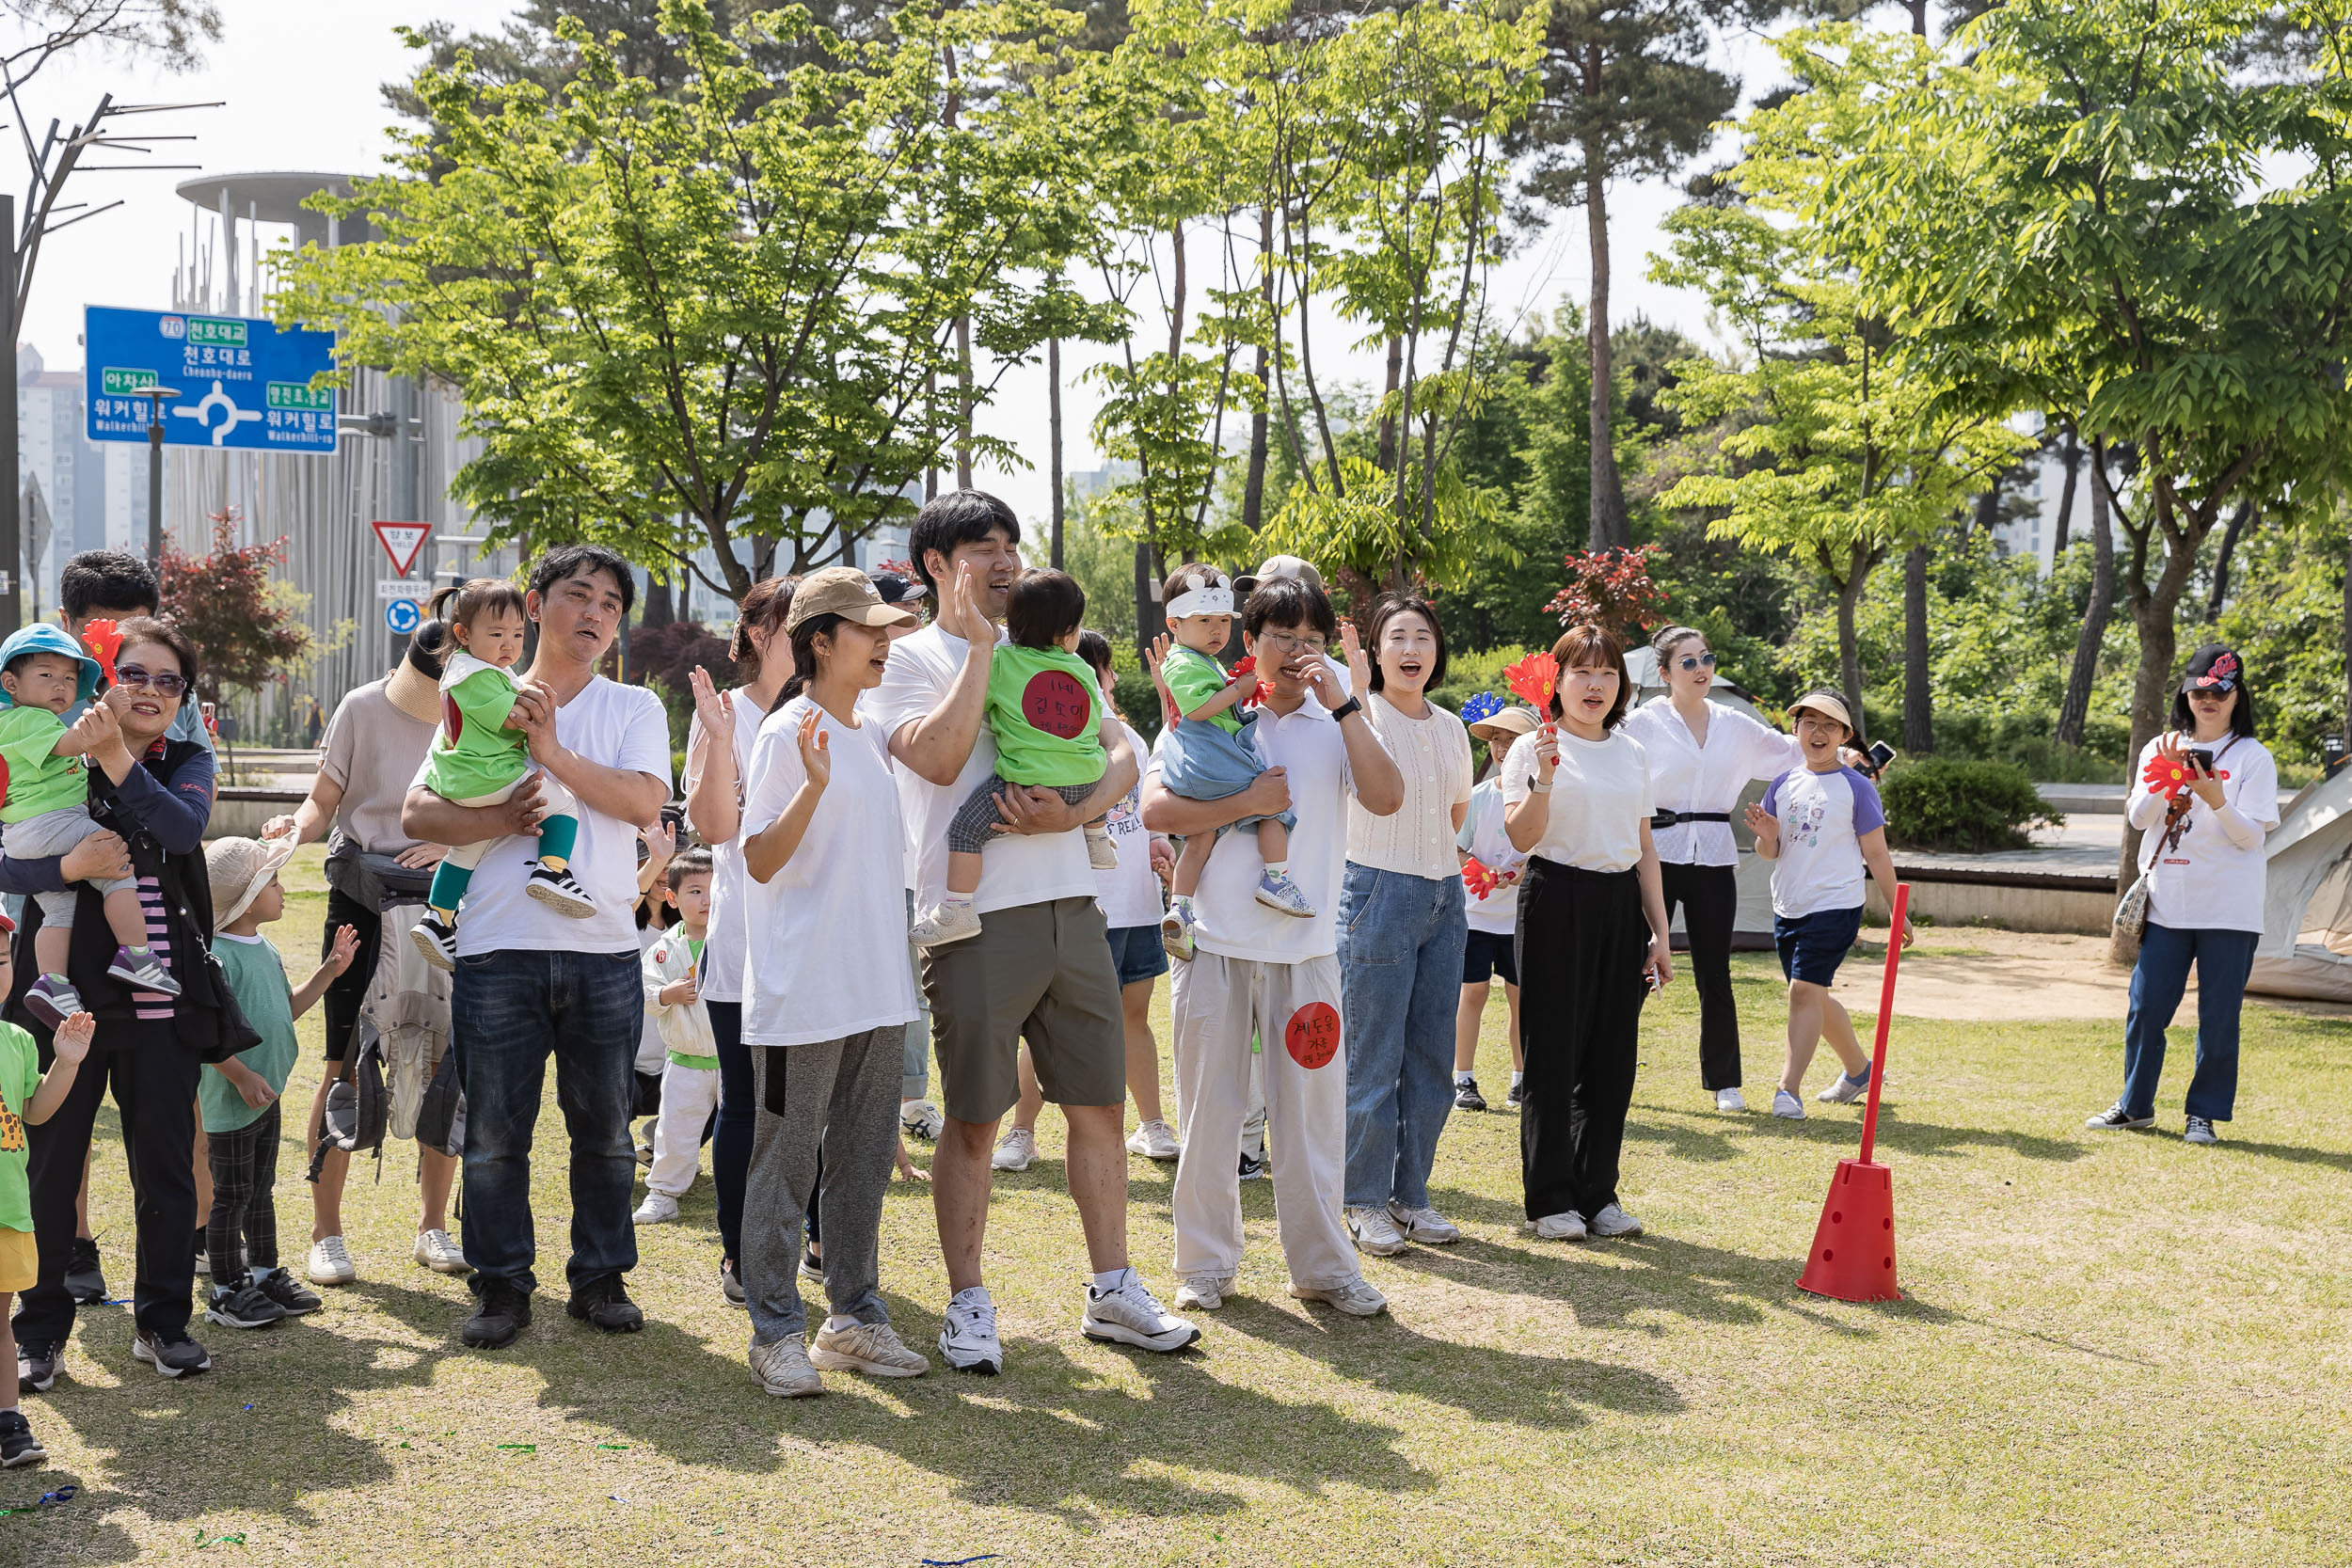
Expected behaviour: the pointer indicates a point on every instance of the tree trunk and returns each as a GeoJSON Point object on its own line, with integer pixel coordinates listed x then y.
{"type": "Point", "coordinates": [2153, 609]}
{"type": "Point", "coordinates": [964, 402]}
{"type": "Point", "coordinates": [2238, 520]}
{"type": "Point", "coordinates": [1053, 442]}
{"type": "Point", "coordinates": [1609, 529]}
{"type": "Point", "coordinates": [2075, 712]}
{"type": "Point", "coordinates": [1253, 486]}
{"type": "Point", "coordinates": [2071, 456]}
{"type": "Point", "coordinates": [1148, 623]}
{"type": "Point", "coordinates": [1387, 405]}
{"type": "Point", "coordinates": [1848, 648]}
{"type": "Point", "coordinates": [660, 607]}
{"type": "Point", "coordinates": [1918, 697]}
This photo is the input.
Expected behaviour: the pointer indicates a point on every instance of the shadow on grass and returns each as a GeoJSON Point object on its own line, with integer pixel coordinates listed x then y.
{"type": "Point", "coordinates": [1699, 1143]}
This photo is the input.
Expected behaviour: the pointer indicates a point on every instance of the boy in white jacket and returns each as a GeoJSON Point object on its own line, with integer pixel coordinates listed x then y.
{"type": "Point", "coordinates": [690, 1078]}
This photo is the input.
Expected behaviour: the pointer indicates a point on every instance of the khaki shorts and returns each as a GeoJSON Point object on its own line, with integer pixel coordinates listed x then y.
{"type": "Point", "coordinates": [19, 1262]}
{"type": "Point", "coordinates": [1040, 973]}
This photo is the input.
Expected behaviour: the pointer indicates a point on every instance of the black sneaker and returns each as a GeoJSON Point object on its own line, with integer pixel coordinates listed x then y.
{"type": "Point", "coordinates": [241, 1306]}
{"type": "Point", "coordinates": [84, 1281]}
{"type": "Point", "coordinates": [561, 891]}
{"type": "Point", "coordinates": [1518, 1097]}
{"type": "Point", "coordinates": [502, 1311]}
{"type": "Point", "coordinates": [812, 1267]}
{"type": "Point", "coordinates": [18, 1446]}
{"type": "Point", "coordinates": [605, 1304]}
{"type": "Point", "coordinates": [288, 1292]}
{"type": "Point", "coordinates": [37, 1364]}
{"type": "Point", "coordinates": [2116, 1118]}
{"type": "Point", "coordinates": [731, 1283]}
{"type": "Point", "coordinates": [1466, 1095]}
{"type": "Point", "coordinates": [1252, 1167]}
{"type": "Point", "coordinates": [436, 939]}
{"type": "Point", "coordinates": [174, 1356]}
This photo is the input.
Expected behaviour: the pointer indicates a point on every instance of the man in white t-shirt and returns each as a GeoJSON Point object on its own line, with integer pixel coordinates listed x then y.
{"type": "Point", "coordinates": [1041, 968]}
{"type": "Point", "coordinates": [1258, 973]}
{"type": "Point", "coordinates": [532, 981]}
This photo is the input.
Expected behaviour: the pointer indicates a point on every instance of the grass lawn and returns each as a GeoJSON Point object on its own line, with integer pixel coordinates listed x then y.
{"type": "Point", "coordinates": [2112, 1345]}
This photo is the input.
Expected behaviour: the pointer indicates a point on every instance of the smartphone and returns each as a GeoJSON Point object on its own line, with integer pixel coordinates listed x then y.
{"type": "Point", "coordinates": [1881, 754]}
{"type": "Point", "coordinates": [2202, 758]}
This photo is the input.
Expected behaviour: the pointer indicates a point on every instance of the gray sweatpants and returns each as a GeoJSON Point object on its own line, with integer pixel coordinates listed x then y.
{"type": "Point", "coordinates": [842, 1096]}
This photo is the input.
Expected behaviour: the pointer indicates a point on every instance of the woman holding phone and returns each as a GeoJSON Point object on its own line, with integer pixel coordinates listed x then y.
{"type": "Point", "coordinates": [2201, 855]}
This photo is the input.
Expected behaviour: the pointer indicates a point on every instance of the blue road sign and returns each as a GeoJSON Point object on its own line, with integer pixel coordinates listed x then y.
{"type": "Point", "coordinates": [402, 616]}
{"type": "Point", "coordinates": [241, 382]}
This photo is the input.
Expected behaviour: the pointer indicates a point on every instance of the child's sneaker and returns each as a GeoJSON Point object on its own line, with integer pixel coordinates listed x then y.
{"type": "Point", "coordinates": [138, 966]}
{"type": "Point", "coordinates": [1176, 930]}
{"type": "Point", "coordinates": [241, 1306]}
{"type": "Point", "coordinates": [561, 891]}
{"type": "Point", "coordinates": [288, 1292]}
{"type": "Point", "coordinates": [18, 1446]}
{"type": "Point", "coordinates": [1276, 890]}
{"type": "Point", "coordinates": [53, 999]}
{"type": "Point", "coordinates": [949, 922]}
{"type": "Point", "coordinates": [436, 939]}
{"type": "Point", "coordinates": [1845, 1089]}
{"type": "Point", "coordinates": [1102, 854]}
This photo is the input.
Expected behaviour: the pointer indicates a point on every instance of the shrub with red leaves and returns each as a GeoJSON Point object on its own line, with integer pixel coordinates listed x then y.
{"type": "Point", "coordinates": [1613, 588]}
{"type": "Point", "coordinates": [246, 633]}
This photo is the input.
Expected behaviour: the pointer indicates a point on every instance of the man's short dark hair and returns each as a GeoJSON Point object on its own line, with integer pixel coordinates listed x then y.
{"type": "Point", "coordinates": [1289, 602]}
{"type": "Point", "coordinates": [950, 521]}
{"type": "Point", "coordinates": [107, 580]}
{"type": "Point", "coordinates": [571, 561]}
{"type": "Point", "coordinates": [1095, 649]}
{"type": "Point", "coordinates": [1045, 607]}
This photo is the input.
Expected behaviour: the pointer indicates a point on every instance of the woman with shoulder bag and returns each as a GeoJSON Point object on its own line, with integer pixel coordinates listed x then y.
{"type": "Point", "coordinates": [2204, 797]}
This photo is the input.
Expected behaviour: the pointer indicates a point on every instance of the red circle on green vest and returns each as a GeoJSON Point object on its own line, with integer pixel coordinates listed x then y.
{"type": "Point", "coordinates": [1312, 1035]}
{"type": "Point", "coordinates": [1055, 702]}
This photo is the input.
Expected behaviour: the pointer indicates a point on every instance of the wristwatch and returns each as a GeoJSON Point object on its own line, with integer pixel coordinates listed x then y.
{"type": "Point", "coordinates": [1353, 705]}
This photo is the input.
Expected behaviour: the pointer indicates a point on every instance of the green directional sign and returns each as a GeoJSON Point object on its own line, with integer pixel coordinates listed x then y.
{"type": "Point", "coordinates": [227, 333]}
{"type": "Point", "coordinates": [126, 383]}
{"type": "Point", "coordinates": [301, 394]}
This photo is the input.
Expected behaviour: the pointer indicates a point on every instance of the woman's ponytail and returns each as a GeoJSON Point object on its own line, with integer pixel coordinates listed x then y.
{"type": "Point", "coordinates": [804, 657]}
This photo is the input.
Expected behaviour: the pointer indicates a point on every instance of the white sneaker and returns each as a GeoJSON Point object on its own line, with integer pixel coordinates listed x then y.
{"type": "Point", "coordinates": [1153, 1140]}
{"type": "Point", "coordinates": [1277, 891]}
{"type": "Point", "coordinates": [967, 1340]}
{"type": "Point", "coordinates": [1358, 1297]}
{"type": "Point", "coordinates": [657, 1209]}
{"type": "Point", "coordinates": [949, 922]}
{"type": "Point", "coordinates": [1613, 1221]}
{"type": "Point", "coordinates": [1133, 1316]}
{"type": "Point", "coordinates": [1374, 1232]}
{"type": "Point", "coordinates": [1176, 931]}
{"type": "Point", "coordinates": [1787, 1106]}
{"type": "Point", "coordinates": [1424, 1224]}
{"type": "Point", "coordinates": [1844, 1090]}
{"type": "Point", "coordinates": [1566, 1226]}
{"type": "Point", "coordinates": [783, 1368]}
{"type": "Point", "coordinates": [1202, 1293]}
{"type": "Point", "coordinates": [922, 1119]}
{"type": "Point", "coordinates": [870, 1348]}
{"type": "Point", "coordinates": [330, 1263]}
{"type": "Point", "coordinates": [1730, 1100]}
{"type": "Point", "coordinates": [438, 1250]}
{"type": "Point", "coordinates": [1015, 1150]}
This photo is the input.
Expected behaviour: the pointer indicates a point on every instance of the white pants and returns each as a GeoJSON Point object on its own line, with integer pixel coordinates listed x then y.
{"type": "Point", "coordinates": [555, 799]}
{"type": "Point", "coordinates": [689, 1095]}
{"type": "Point", "coordinates": [1219, 1005]}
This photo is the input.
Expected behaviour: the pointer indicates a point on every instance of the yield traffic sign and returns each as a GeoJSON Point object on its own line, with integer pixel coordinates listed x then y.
{"type": "Point", "coordinates": [402, 541]}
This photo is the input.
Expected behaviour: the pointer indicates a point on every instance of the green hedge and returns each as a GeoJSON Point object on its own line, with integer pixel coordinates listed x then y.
{"type": "Point", "coordinates": [1967, 807]}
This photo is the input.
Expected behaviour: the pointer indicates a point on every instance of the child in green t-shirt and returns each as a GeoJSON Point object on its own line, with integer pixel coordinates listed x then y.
{"type": "Point", "coordinates": [27, 1095]}
{"type": "Point", "coordinates": [43, 671]}
{"type": "Point", "coordinates": [237, 1099]}
{"type": "Point", "coordinates": [1046, 714]}
{"type": "Point", "coordinates": [480, 757]}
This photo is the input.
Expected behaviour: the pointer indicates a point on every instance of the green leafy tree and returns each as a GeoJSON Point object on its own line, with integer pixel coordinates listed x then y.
{"type": "Point", "coordinates": [236, 606]}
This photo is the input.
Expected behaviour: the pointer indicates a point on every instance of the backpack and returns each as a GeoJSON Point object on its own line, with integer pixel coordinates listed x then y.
{"type": "Point", "coordinates": [441, 1112]}
{"type": "Point", "coordinates": [357, 1107]}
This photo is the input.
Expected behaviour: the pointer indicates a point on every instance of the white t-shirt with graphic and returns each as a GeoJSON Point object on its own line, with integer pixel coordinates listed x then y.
{"type": "Point", "coordinates": [1823, 818]}
{"type": "Point", "coordinates": [1488, 842]}
{"type": "Point", "coordinates": [2205, 881]}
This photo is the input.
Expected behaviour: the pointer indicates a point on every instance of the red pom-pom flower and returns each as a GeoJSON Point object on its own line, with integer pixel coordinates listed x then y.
{"type": "Point", "coordinates": [103, 639]}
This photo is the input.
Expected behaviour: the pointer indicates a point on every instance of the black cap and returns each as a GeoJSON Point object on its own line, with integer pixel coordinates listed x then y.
{"type": "Point", "coordinates": [2213, 668]}
{"type": "Point", "coordinates": [894, 586]}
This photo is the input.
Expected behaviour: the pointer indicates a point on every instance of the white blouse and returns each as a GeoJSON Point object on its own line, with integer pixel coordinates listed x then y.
{"type": "Point", "coordinates": [1434, 754]}
{"type": "Point", "coordinates": [1686, 776]}
{"type": "Point", "coordinates": [1600, 795]}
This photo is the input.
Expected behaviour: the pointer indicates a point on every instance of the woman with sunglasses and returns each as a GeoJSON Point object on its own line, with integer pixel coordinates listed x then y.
{"type": "Point", "coordinates": [153, 798]}
{"type": "Point", "coordinates": [1701, 755]}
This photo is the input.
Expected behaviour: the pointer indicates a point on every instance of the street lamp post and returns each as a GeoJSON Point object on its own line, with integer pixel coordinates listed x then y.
{"type": "Point", "coordinates": [155, 396]}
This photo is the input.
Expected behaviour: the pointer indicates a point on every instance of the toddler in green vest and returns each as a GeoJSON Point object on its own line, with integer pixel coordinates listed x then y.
{"type": "Point", "coordinates": [480, 757]}
{"type": "Point", "coordinates": [1046, 714]}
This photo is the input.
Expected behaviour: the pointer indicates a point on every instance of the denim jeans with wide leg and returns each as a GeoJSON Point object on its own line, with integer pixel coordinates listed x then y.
{"type": "Point", "coordinates": [1401, 941]}
{"type": "Point", "coordinates": [2223, 960]}
{"type": "Point", "coordinates": [509, 1012]}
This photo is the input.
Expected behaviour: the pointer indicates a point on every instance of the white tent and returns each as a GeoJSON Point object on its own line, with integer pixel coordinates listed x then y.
{"type": "Point", "coordinates": [2306, 948]}
{"type": "Point", "coordinates": [1752, 929]}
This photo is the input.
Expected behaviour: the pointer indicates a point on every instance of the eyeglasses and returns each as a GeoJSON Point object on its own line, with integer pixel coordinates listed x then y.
{"type": "Point", "coordinates": [1282, 642]}
{"type": "Point", "coordinates": [163, 682]}
{"type": "Point", "coordinates": [1696, 661]}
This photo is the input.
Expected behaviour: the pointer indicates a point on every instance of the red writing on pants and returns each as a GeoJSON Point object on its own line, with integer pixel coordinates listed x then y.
{"type": "Point", "coordinates": [1056, 703]}
{"type": "Point", "coordinates": [1312, 1035]}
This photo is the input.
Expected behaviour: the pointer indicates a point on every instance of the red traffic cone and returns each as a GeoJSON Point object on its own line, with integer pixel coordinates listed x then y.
{"type": "Point", "coordinates": [1854, 1247]}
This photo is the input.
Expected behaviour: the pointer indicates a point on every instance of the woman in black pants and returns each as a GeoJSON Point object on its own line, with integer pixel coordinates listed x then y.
{"type": "Point", "coordinates": [1701, 755]}
{"type": "Point", "coordinates": [1591, 938]}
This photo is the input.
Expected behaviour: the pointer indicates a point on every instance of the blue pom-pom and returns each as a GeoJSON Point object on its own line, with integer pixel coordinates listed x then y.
{"type": "Point", "coordinates": [1484, 705]}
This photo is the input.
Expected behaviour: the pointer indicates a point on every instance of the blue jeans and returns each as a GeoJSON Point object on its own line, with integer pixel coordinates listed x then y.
{"type": "Point", "coordinates": [731, 1139]}
{"type": "Point", "coordinates": [509, 1010]}
{"type": "Point", "coordinates": [2223, 960]}
{"type": "Point", "coordinates": [1401, 943]}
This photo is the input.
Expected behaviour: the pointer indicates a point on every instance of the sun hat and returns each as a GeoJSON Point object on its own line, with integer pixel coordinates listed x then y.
{"type": "Point", "coordinates": [238, 869]}
{"type": "Point", "coordinates": [1275, 568]}
{"type": "Point", "coordinates": [1511, 722]}
{"type": "Point", "coordinates": [42, 637]}
{"type": "Point", "coordinates": [1825, 704]}
{"type": "Point", "coordinates": [846, 592]}
{"type": "Point", "coordinates": [2213, 669]}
